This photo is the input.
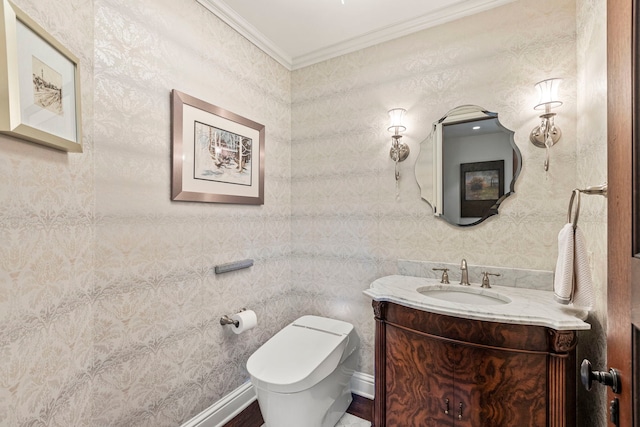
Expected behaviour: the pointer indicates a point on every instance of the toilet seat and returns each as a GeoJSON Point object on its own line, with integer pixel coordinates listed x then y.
{"type": "Point", "coordinates": [300, 355]}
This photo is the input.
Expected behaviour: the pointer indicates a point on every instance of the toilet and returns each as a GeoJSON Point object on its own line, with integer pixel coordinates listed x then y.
{"type": "Point", "coordinates": [302, 374]}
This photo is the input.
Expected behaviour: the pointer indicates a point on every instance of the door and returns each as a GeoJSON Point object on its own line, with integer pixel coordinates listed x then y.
{"type": "Point", "coordinates": [622, 210]}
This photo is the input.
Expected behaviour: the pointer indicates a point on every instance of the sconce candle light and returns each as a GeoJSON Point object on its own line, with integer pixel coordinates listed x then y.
{"type": "Point", "coordinates": [399, 150]}
{"type": "Point", "coordinates": [547, 134]}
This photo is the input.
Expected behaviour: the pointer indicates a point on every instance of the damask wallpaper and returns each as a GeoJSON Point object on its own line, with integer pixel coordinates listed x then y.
{"type": "Point", "coordinates": [592, 170]}
{"type": "Point", "coordinates": [109, 306]}
{"type": "Point", "coordinates": [349, 228]}
{"type": "Point", "coordinates": [160, 353]}
{"type": "Point", "coordinates": [47, 276]}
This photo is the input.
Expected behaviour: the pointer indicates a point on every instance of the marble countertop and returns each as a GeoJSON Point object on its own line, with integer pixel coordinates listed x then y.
{"type": "Point", "coordinates": [527, 306]}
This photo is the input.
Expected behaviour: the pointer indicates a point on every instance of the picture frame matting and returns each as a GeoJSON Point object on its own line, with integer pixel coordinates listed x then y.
{"type": "Point", "coordinates": [217, 155]}
{"type": "Point", "coordinates": [39, 84]}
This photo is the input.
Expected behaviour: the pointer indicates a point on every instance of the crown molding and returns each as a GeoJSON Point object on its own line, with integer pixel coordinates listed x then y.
{"type": "Point", "coordinates": [390, 32]}
{"type": "Point", "coordinates": [248, 31]}
{"type": "Point", "coordinates": [397, 30]}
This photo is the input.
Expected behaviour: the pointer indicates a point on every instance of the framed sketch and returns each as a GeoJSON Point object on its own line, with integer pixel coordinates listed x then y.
{"type": "Point", "coordinates": [39, 84]}
{"type": "Point", "coordinates": [218, 156]}
{"type": "Point", "coordinates": [481, 186]}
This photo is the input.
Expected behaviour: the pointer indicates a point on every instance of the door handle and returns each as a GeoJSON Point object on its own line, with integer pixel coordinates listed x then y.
{"type": "Point", "coordinates": [588, 375]}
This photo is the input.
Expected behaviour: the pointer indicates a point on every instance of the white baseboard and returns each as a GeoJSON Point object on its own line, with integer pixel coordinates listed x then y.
{"type": "Point", "coordinates": [362, 385]}
{"type": "Point", "coordinates": [227, 408]}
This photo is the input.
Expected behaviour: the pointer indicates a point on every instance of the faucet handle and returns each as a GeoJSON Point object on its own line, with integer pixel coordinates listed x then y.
{"type": "Point", "coordinates": [445, 275]}
{"type": "Point", "coordinates": [485, 279]}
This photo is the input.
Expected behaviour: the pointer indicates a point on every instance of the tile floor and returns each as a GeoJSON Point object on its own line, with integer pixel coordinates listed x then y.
{"type": "Point", "coordinates": [349, 420]}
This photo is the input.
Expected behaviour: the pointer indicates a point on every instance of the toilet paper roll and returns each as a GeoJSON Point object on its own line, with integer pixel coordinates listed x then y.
{"type": "Point", "coordinates": [246, 320]}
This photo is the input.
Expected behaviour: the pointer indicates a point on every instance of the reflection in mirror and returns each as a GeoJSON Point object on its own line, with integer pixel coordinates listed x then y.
{"type": "Point", "coordinates": [468, 165]}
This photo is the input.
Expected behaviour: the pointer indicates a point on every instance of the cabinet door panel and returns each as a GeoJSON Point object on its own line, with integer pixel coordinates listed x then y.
{"type": "Point", "coordinates": [419, 379]}
{"type": "Point", "coordinates": [501, 388]}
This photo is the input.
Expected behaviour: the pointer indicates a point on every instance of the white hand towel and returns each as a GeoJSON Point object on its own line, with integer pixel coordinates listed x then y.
{"type": "Point", "coordinates": [583, 295]}
{"type": "Point", "coordinates": [563, 279]}
{"type": "Point", "coordinates": [572, 282]}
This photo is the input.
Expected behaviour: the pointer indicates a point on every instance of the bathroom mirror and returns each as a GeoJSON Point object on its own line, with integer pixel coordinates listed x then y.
{"type": "Point", "coordinates": [467, 165]}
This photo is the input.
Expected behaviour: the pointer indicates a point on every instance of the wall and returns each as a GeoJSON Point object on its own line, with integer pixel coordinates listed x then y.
{"type": "Point", "coordinates": [109, 306]}
{"type": "Point", "coordinates": [348, 227]}
{"type": "Point", "coordinates": [161, 355]}
{"type": "Point", "coordinates": [592, 170]}
{"type": "Point", "coordinates": [47, 209]}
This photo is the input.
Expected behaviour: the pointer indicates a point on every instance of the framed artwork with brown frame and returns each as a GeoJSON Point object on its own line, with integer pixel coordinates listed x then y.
{"type": "Point", "coordinates": [217, 156]}
{"type": "Point", "coordinates": [481, 186]}
{"type": "Point", "coordinates": [39, 84]}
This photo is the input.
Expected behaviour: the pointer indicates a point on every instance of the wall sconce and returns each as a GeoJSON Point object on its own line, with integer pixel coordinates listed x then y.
{"type": "Point", "coordinates": [547, 134]}
{"type": "Point", "coordinates": [399, 150]}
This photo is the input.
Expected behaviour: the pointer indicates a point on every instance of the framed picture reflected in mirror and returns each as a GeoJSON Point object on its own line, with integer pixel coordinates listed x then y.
{"type": "Point", "coordinates": [481, 186]}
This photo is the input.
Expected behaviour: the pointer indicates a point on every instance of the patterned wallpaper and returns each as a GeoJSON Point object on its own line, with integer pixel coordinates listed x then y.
{"type": "Point", "coordinates": [47, 214]}
{"type": "Point", "coordinates": [161, 355]}
{"type": "Point", "coordinates": [108, 304]}
{"type": "Point", "coordinates": [592, 170]}
{"type": "Point", "coordinates": [348, 227]}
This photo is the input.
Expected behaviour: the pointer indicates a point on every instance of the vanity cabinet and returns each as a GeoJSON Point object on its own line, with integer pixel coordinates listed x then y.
{"type": "Point", "coordinates": [437, 370]}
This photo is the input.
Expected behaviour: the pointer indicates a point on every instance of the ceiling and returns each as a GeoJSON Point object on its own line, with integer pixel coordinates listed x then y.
{"type": "Point", "coordinates": [298, 33]}
{"type": "Point", "coordinates": [475, 127]}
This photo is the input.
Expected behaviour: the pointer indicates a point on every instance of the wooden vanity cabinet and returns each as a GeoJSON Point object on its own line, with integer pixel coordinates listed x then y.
{"type": "Point", "coordinates": [437, 370]}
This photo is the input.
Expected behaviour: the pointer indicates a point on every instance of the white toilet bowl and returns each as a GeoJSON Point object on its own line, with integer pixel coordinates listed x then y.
{"type": "Point", "coordinates": [302, 374]}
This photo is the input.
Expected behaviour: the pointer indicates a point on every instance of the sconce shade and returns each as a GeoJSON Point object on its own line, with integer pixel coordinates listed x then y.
{"type": "Point", "coordinates": [547, 134]}
{"type": "Point", "coordinates": [396, 120]}
{"type": "Point", "coordinates": [548, 90]}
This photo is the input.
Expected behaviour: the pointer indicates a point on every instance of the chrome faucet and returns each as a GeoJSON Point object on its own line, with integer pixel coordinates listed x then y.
{"type": "Point", "coordinates": [485, 279]}
{"type": "Point", "coordinates": [464, 279]}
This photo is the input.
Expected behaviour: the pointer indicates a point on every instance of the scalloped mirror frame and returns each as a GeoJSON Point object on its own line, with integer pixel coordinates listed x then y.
{"type": "Point", "coordinates": [438, 164]}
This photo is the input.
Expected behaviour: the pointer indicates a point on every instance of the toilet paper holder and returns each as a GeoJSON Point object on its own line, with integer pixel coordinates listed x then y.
{"type": "Point", "coordinates": [227, 320]}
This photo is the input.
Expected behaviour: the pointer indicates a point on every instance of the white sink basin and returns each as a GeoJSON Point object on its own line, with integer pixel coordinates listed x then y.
{"type": "Point", "coordinates": [463, 295]}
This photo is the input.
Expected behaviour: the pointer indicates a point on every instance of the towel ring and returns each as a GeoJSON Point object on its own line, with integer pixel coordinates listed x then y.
{"type": "Point", "coordinates": [574, 221]}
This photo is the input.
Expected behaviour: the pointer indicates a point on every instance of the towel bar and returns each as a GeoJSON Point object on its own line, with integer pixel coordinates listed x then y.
{"type": "Point", "coordinates": [233, 266]}
{"type": "Point", "coordinates": [596, 189]}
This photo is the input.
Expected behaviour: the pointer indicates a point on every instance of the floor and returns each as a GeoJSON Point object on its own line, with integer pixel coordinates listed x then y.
{"type": "Point", "coordinates": [349, 420]}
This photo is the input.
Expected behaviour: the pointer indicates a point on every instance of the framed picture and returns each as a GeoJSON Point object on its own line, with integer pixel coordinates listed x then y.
{"type": "Point", "coordinates": [218, 156]}
{"type": "Point", "coordinates": [481, 185]}
{"type": "Point", "coordinates": [39, 84]}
